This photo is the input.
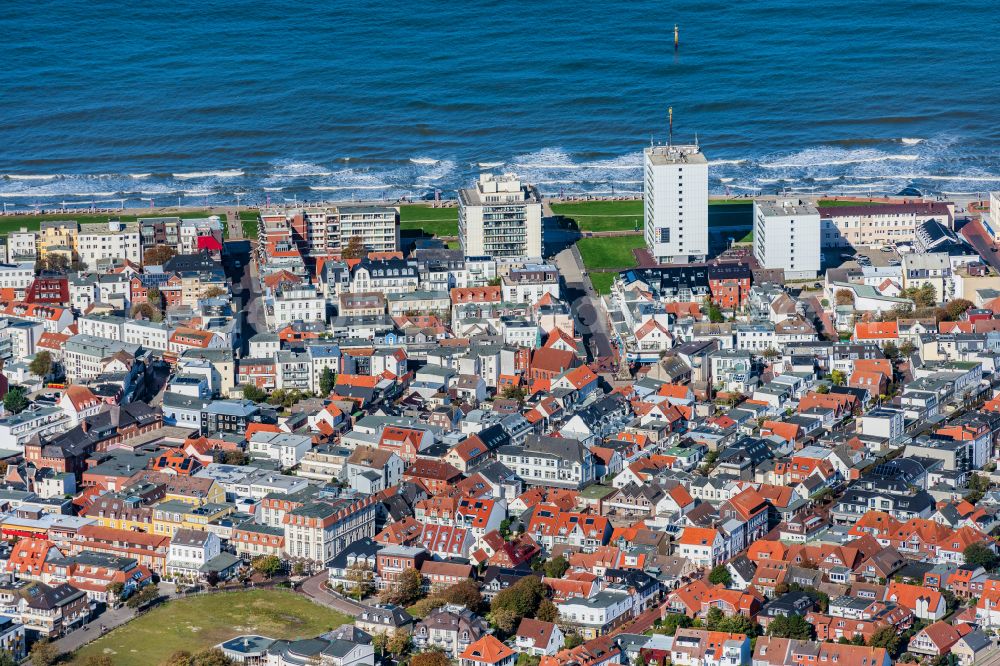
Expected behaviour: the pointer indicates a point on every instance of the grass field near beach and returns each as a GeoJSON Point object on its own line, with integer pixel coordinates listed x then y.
{"type": "Point", "coordinates": [610, 253]}
{"type": "Point", "coordinates": [203, 621]}
{"type": "Point", "coordinates": [434, 221]}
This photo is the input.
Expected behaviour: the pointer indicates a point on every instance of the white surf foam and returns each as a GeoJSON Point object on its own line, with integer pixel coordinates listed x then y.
{"type": "Point", "coordinates": [489, 165]}
{"type": "Point", "coordinates": [725, 162]}
{"type": "Point", "coordinates": [226, 173]}
{"type": "Point", "coordinates": [23, 176]}
{"type": "Point", "coordinates": [424, 160]}
{"type": "Point", "coordinates": [910, 142]}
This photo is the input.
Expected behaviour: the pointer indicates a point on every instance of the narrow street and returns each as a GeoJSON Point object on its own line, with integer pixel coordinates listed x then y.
{"type": "Point", "coordinates": [312, 587]}
{"type": "Point", "coordinates": [585, 303]}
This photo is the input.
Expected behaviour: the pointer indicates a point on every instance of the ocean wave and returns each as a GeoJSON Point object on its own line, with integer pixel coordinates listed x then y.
{"type": "Point", "coordinates": [226, 173]}
{"type": "Point", "coordinates": [139, 176]}
{"type": "Point", "coordinates": [910, 142]}
{"type": "Point", "coordinates": [22, 176]}
{"type": "Point", "coordinates": [712, 163]}
{"type": "Point", "coordinates": [489, 165]}
{"type": "Point", "coordinates": [990, 178]}
{"type": "Point", "coordinates": [341, 188]}
{"type": "Point", "coordinates": [725, 180]}
{"type": "Point", "coordinates": [809, 164]}
{"type": "Point", "coordinates": [424, 160]}
{"type": "Point", "coordinates": [294, 169]}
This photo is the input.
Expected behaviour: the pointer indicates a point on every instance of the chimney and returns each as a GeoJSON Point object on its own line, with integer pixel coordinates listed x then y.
{"type": "Point", "coordinates": [84, 425]}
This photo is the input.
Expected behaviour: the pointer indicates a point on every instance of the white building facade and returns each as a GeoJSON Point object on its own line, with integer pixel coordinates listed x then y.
{"type": "Point", "coordinates": [675, 203]}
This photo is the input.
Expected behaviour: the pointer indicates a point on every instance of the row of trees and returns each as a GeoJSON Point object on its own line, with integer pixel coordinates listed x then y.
{"type": "Point", "coordinates": [278, 397]}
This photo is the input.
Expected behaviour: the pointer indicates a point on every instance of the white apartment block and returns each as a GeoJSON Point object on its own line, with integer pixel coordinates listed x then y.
{"type": "Point", "coordinates": [786, 235]}
{"type": "Point", "coordinates": [17, 276]}
{"type": "Point", "coordinates": [150, 335]}
{"type": "Point", "coordinates": [22, 246]}
{"type": "Point", "coordinates": [500, 217]}
{"type": "Point", "coordinates": [102, 326]}
{"type": "Point", "coordinates": [190, 230]}
{"type": "Point", "coordinates": [112, 241]}
{"type": "Point", "coordinates": [295, 303]}
{"type": "Point", "coordinates": [378, 227]}
{"type": "Point", "coordinates": [675, 203]}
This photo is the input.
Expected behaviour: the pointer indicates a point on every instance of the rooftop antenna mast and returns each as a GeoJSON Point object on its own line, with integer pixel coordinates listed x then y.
{"type": "Point", "coordinates": [670, 131]}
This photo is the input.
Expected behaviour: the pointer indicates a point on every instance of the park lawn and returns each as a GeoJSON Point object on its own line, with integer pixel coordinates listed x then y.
{"type": "Point", "coordinates": [612, 252]}
{"type": "Point", "coordinates": [602, 282]}
{"type": "Point", "coordinates": [249, 219]}
{"type": "Point", "coordinates": [748, 238]}
{"type": "Point", "coordinates": [602, 215]}
{"type": "Point", "coordinates": [433, 221]}
{"type": "Point", "coordinates": [203, 621]}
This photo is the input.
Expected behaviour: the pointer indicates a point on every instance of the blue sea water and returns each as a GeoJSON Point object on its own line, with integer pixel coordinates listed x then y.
{"type": "Point", "coordinates": [193, 101]}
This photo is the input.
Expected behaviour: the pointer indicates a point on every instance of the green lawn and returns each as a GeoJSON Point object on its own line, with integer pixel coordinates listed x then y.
{"type": "Point", "coordinates": [602, 282]}
{"type": "Point", "coordinates": [433, 221]}
{"type": "Point", "coordinates": [602, 215]}
{"type": "Point", "coordinates": [614, 252]}
{"type": "Point", "coordinates": [203, 621]}
{"type": "Point", "coordinates": [249, 219]}
{"type": "Point", "coordinates": [748, 238]}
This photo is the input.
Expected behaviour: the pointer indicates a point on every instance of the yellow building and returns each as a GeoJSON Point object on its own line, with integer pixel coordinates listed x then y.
{"type": "Point", "coordinates": [121, 513]}
{"type": "Point", "coordinates": [58, 237]}
{"type": "Point", "coordinates": [172, 515]}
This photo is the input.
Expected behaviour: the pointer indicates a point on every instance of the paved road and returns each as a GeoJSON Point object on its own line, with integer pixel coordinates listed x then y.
{"type": "Point", "coordinates": [588, 309]}
{"type": "Point", "coordinates": [234, 223]}
{"type": "Point", "coordinates": [313, 588]}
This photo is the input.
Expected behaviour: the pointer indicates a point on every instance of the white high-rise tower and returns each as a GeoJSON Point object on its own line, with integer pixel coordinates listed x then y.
{"type": "Point", "coordinates": [675, 203]}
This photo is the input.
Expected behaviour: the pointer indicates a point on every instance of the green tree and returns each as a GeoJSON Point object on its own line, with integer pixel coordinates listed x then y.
{"type": "Point", "coordinates": [511, 392]}
{"type": "Point", "coordinates": [674, 621]}
{"type": "Point", "coordinates": [362, 579]}
{"type": "Point", "coordinates": [838, 378]}
{"type": "Point", "coordinates": [844, 297]}
{"type": "Point", "coordinates": [143, 596]}
{"type": "Point", "coordinates": [211, 657]}
{"type": "Point", "coordinates": [266, 565]}
{"type": "Point", "coordinates": [154, 297]}
{"type": "Point", "coordinates": [7, 659]}
{"type": "Point", "coordinates": [327, 380]}
{"type": "Point", "coordinates": [214, 291]}
{"type": "Point", "coordinates": [464, 593]}
{"type": "Point", "coordinates": [518, 601]}
{"type": "Point", "coordinates": [234, 457]}
{"type": "Point", "coordinates": [572, 641]}
{"type": "Point", "coordinates": [888, 638]}
{"type": "Point", "coordinates": [907, 348]}
{"type": "Point", "coordinates": [980, 555]}
{"type": "Point", "coordinates": [890, 350]}
{"type": "Point", "coordinates": [41, 365]}
{"type": "Point", "coordinates": [738, 624]}
{"type": "Point", "coordinates": [432, 658]}
{"type": "Point", "coordinates": [179, 658]}
{"type": "Point", "coordinates": [16, 400]}
{"type": "Point", "coordinates": [355, 248]}
{"type": "Point", "coordinates": [423, 608]}
{"type": "Point", "coordinates": [115, 590]}
{"type": "Point", "coordinates": [254, 394]}
{"type": "Point", "coordinates": [547, 611]}
{"type": "Point", "coordinates": [399, 642]}
{"type": "Point", "coordinates": [43, 653]}
{"type": "Point", "coordinates": [713, 618]}
{"type": "Point", "coordinates": [407, 590]}
{"type": "Point", "coordinates": [556, 567]}
{"type": "Point", "coordinates": [158, 255]}
{"type": "Point", "coordinates": [720, 576]}
{"type": "Point", "coordinates": [525, 659]}
{"type": "Point", "coordinates": [791, 626]}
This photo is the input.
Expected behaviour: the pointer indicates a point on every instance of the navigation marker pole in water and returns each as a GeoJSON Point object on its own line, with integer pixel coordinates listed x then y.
{"type": "Point", "coordinates": [677, 40]}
